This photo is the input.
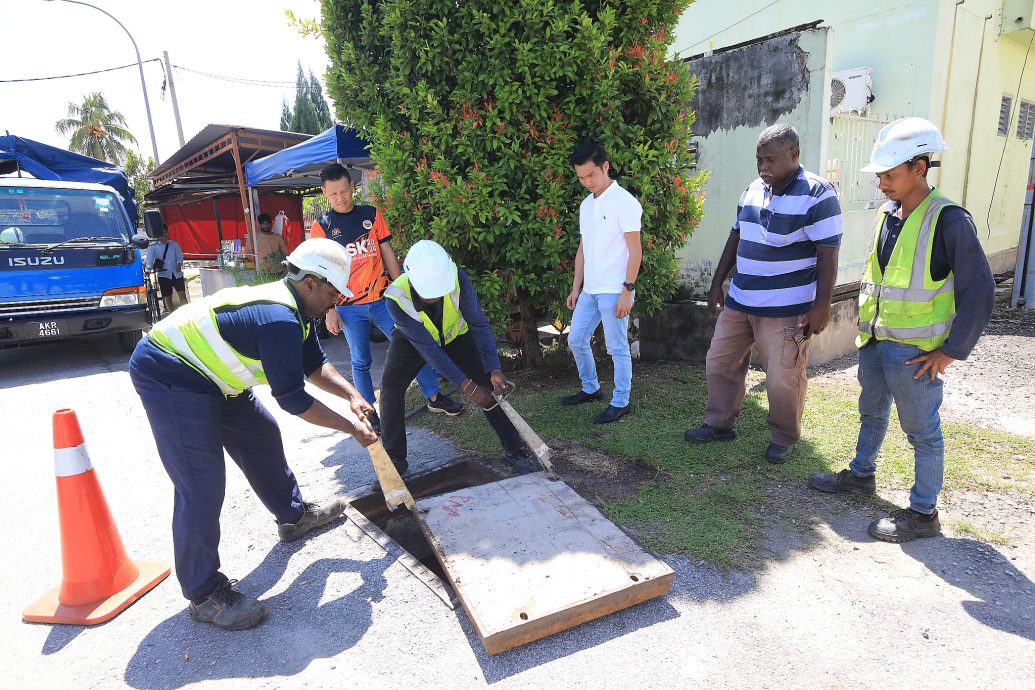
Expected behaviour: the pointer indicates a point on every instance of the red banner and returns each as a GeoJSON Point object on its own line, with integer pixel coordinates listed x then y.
{"type": "Point", "coordinates": [193, 226]}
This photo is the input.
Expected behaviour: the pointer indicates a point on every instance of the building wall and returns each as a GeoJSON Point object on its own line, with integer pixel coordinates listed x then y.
{"type": "Point", "coordinates": [740, 92]}
{"type": "Point", "coordinates": [925, 60]}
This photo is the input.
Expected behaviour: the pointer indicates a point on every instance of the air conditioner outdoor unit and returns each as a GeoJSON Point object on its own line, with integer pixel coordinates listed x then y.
{"type": "Point", "coordinates": [851, 91]}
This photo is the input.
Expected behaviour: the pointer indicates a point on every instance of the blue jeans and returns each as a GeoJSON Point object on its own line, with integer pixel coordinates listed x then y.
{"type": "Point", "coordinates": [589, 312]}
{"type": "Point", "coordinates": [356, 320]}
{"type": "Point", "coordinates": [885, 376]}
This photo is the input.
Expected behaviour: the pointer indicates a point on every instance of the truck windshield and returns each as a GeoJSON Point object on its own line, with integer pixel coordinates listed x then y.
{"type": "Point", "coordinates": [41, 216]}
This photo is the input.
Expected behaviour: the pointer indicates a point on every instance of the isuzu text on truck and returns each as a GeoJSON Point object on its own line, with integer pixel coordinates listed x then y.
{"type": "Point", "coordinates": [67, 264]}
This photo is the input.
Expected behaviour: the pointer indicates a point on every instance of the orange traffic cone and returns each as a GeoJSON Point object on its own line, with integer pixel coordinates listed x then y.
{"type": "Point", "coordinates": [99, 581]}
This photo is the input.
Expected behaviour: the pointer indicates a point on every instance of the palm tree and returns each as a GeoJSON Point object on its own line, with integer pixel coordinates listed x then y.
{"type": "Point", "coordinates": [97, 131]}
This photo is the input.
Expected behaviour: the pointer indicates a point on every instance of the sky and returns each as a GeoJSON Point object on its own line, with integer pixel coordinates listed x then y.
{"type": "Point", "coordinates": [230, 38]}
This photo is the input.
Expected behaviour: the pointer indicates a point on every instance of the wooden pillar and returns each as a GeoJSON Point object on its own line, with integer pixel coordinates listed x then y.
{"type": "Point", "coordinates": [249, 220]}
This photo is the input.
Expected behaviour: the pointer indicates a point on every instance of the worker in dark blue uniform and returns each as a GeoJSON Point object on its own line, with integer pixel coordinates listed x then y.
{"type": "Point", "coordinates": [194, 373]}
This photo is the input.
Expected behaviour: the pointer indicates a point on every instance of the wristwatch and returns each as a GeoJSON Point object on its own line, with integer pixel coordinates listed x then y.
{"type": "Point", "coordinates": [631, 287]}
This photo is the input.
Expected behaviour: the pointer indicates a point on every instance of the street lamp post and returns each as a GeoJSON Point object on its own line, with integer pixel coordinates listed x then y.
{"type": "Point", "coordinates": [140, 66]}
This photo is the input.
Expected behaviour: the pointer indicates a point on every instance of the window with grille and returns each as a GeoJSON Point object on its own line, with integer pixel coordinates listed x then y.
{"type": "Point", "coordinates": [1026, 120]}
{"type": "Point", "coordinates": [1004, 115]}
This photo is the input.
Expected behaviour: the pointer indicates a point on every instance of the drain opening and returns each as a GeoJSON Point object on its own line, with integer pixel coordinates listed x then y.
{"type": "Point", "coordinates": [402, 528]}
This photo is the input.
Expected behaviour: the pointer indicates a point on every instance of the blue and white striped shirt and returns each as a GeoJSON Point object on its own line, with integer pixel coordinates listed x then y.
{"type": "Point", "coordinates": [779, 233]}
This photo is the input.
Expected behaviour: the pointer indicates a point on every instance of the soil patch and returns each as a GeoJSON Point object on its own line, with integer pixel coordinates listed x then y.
{"type": "Point", "coordinates": [597, 475]}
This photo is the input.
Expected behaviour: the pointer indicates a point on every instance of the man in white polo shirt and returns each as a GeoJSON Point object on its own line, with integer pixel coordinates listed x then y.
{"type": "Point", "coordinates": [784, 243]}
{"type": "Point", "coordinates": [604, 285]}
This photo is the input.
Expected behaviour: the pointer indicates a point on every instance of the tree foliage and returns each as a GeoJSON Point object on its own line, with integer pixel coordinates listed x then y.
{"type": "Point", "coordinates": [97, 130]}
{"type": "Point", "coordinates": [311, 114]}
{"type": "Point", "coordinates": [137, 168]}
{"type": "Point", "coordinates": [473, 109]}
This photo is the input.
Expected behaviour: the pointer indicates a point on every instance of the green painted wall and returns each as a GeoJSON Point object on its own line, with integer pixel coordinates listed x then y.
{"type": "Point", "coordinates": [931, 58]}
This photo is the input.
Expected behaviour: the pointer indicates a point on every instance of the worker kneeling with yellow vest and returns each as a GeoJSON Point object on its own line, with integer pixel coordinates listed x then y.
{"type": "Point", "coordinates": [926, 295]}
{"type": "Point", "coordinates": [439, 321]}
{"type": "Point", "coordinates": [194, 373]}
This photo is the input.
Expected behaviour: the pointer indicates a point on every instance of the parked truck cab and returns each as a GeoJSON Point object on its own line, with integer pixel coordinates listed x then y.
{"type": "Point", "coordinates": [68, 267]}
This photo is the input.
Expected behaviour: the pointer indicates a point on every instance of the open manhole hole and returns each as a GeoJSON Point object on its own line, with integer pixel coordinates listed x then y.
{"type": "Point", "coordinates": [401, 535]}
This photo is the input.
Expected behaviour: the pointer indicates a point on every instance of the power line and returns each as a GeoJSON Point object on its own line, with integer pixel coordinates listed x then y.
{"type": "Point", "coordinates": [78, 74]}
{"type": "Point", "coordinates": [242, 80]}
{"type": "Point", "coordinates": [739, 21]}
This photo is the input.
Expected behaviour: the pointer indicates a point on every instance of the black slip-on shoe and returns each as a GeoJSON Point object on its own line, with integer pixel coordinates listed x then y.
{"type": "Point", "coordinates": [315, 516]}
{"type": "Point", "coordinates": [611, 414]}
{"type": "Point", "coordinates": [843, 482]}
{"type": "Point", "coordinates": [905, 525]}
{"type": "Point", "coordinates": [580, 397]}
{"type": "Point", "coordinates": [228, 609]}
{"type": "Point", "coordinates": [706, 434]}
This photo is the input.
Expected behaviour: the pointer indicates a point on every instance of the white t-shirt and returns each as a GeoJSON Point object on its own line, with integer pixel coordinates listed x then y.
{"type": "Point", "coordinates": [603, 222]}
{"type": "Point", "coordinates": [173, 258]}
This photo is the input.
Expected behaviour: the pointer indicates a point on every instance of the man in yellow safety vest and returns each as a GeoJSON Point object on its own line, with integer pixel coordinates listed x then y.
{"type": "Point", "coordinates": [194, 373]}
{"type": "Point", "coordinates": [439, 321]}
{"type": "Point", "coordinates": [925, 296]}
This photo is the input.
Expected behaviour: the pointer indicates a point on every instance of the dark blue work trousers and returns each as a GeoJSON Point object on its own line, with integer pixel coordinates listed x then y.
{"type": "Point", "coordinates": [191, 429]}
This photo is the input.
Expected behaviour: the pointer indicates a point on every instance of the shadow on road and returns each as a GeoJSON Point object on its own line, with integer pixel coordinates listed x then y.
{"type": "Point", "coordinates": [179, 652]}
{"type": "Point", "coordinates": [1002, 594]}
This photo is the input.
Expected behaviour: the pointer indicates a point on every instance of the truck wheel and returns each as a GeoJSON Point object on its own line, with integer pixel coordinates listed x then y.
{"type": "Point", "coordinates": [129, 339]}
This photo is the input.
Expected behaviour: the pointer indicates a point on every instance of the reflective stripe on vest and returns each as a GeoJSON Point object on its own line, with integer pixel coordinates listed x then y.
{"type": "Point", "coordinates": [453, 322]}
{"type": "Point", "coordinates": [191, 334]}
{"type": "Point", "coordinates": [907, 307]}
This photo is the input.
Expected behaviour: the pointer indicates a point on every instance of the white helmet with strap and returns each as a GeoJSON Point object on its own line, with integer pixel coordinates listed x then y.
{"type": "Point", "coordinates": [430, 270]}
{"type": "Point", "coordinates": [903, 140]}
{"type": "Point", "coordinates": [323, 258]}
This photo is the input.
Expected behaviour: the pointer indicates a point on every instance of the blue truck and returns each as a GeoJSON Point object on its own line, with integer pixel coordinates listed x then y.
{"type": "Point", "coordinates": [69, 266]}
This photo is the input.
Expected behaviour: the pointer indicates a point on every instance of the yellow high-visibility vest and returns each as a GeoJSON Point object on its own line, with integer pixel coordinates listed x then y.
{"type": "Point", "coordinates": [902, 303]}
{"type": "Point", "coordinates": [190, 334]}
{"type": "Point", "coordinates": [453, 322]}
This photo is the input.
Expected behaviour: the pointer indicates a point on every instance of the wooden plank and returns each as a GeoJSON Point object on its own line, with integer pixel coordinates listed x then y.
{"type": "Point", "coordinates": [528, 557]}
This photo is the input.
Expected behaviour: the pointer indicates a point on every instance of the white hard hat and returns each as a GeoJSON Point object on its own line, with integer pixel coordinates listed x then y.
{"type": "Point", "coordinates": [431, 271]}
{"type": "Point", "coordinates": [902, 141]}
{"type": "Point", "coordinates": [12, 236]}
{"type": "Point", "coordinates": [324, 258]}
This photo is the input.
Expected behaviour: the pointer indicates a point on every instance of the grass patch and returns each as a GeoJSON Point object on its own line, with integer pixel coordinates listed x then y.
{"type": "Point", "coordinates": [708, 508]}
{"type": "Point", "coordinates": [969, 529]}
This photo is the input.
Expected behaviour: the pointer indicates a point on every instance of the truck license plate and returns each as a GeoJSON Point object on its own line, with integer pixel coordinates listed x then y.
{"type": "Point", "coordinates": [48, 329]}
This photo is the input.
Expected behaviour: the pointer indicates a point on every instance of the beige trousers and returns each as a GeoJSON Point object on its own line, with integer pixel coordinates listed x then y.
{"type": "Point", "coordinates": [781, 355]}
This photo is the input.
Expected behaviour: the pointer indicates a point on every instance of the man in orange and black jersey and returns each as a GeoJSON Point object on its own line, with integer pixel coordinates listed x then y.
{"type": "Point", "coordinates": [366, 237]}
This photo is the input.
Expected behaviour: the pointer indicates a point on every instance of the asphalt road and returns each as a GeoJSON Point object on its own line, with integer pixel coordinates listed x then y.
{"type": "Point", "coordinates": [841, 611]}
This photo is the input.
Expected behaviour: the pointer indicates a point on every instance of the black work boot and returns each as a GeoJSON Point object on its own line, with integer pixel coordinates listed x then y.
{"type": "Point", "coordinates": [904, 525]}
{"type": "Point", "coordinates": [314, 516]}
{"type": "Point", "coordinates": [228, 609]}
{"type": "Point", "coordinates": [843, 482]}
{"type": "Point", "coordinates": [777, 455]}
{"type": "Point", "coordinates": [706, 434]}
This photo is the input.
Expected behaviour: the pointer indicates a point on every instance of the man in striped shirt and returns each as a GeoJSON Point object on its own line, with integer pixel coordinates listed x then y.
{"type": "Point", "coordinates": [784, 244]}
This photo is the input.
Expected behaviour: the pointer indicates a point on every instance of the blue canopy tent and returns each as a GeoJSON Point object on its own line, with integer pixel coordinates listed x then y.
{"type": "Point", "coordinates": [299, 166]}
{"type": "Point", "coordinates": [50, 163]}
